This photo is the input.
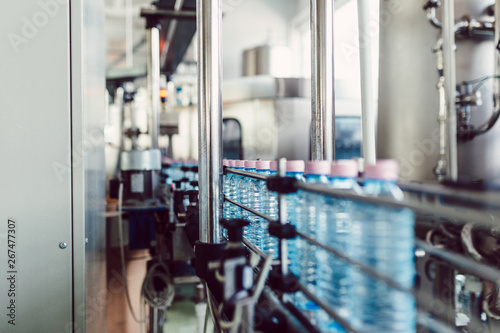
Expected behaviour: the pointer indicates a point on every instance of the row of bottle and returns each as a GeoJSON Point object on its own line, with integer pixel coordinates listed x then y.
{"type": "Point", "coordinates": [185, 173]}
{"type": "Point", "coordinates": [378, 236]}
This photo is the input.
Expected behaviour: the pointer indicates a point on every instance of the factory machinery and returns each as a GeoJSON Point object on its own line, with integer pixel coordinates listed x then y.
{"type": "Point", "coordinates": [438, 129]}
{"type": "Point", "coordinates": [437, 61]}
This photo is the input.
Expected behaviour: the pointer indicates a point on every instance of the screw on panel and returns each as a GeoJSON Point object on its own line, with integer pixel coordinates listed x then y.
{"type": "Point", "coordinates": [63, 245]}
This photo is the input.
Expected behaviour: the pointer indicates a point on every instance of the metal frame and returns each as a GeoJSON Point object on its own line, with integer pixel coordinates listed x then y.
{"type": "Point", "coordinates": [322, 81]}
{"type": "Point", "coordinates": [209, 24]}
{"type": "Point", "coordinates": [450, 86]}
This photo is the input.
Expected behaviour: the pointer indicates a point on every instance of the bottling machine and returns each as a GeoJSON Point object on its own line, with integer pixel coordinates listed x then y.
{"type": "Point", "coordinates": [438, 104]}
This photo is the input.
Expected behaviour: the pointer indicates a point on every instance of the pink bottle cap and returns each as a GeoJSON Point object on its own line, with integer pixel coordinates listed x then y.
{"type": "Point", "coordinates": [318, 167]}
{"type": "Point", "coordinates": [225, 162]}
{"type": "Point", "coordinates": [295, 166]}
{"type": "Point", "coordinates": [262, 165]}
{"type": "Point", "coordinates": [273, 166]}
{"type": "Point", "coordinates": [344, 169]}
{"type": "Point", "coordinates": [230, 163]}
{"type": "Point", "coordinates": [239, 164]}
{"type": "Point", "coordinates": [249, 164]}
{"type": "Point", "coordinates": [383, 169]}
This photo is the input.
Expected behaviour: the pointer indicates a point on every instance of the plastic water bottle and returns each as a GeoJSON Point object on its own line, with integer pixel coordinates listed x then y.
{"type": "Point", "coordinates": [270, 243]}
{"type": "Point", "coordinates": [317, 172]}
{"type": "Point", "coordinates": [243, 190]}
{"type": "Point", "coordinates": [259, 202]}
{"type": "Point", "coordinates": [294, 204]}
{"type": "Point", "coordinates": [384, 239]}
{"type": "Point", "coordinates": [334, 229]}
{"type": "Point", "coordinates": [235, 211]}
{"type": "Point", "coordinates": [227, 189]}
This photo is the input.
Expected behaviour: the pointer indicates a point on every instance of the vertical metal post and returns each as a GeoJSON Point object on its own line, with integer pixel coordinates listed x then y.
{"type": "Point", "coordinates": [367, 102]}
{"type": "Point", "coordinates": [496, 84]}
{"type": "Point", "coordinates": [322, 81]}
{"type": "Point", "coordinates": [450, 84]}
{"type": "Point", "coordinates": [129, 33]}
{"type": "Point", "coordinates": [153, 68]}
{"type": "Point", "coordinates": [282, 212]}
{"type": "Point", "coordinates": [209, 22]}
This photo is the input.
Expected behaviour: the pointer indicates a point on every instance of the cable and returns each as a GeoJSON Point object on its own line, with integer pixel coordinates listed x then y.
{"type": "Point", "coordinates": [155, 299]}
{"type": "Point", "coordinates": [122, 253]}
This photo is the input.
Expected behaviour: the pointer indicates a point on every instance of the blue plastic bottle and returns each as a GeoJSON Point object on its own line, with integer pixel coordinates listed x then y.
{"type": "Point", "coordinates": [384, 239]}
{"type": "Point", "coordinates": [334, 229]}
{"type": "Point", "coordinates": [295, 205]}
{"type": "Point", "coordinates": [270, 243]}
{"type": "Point", "coordinates": [259, 201]}
{"type": "Point", "coordinates": [317, 172]}
{"type": "Point", "coordinates": [235, 211]}
{"type": "Point", "coordinates": [243, 190]}
{"type": "Point", "coordinates": [227, 189]}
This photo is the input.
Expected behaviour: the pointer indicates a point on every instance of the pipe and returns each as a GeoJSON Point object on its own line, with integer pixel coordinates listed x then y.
{"type": "Point", "coordinates": [441, 167]}
{"type": "Point", "coordinates": [450, 85]}
{"type": "Point", "coordinates": [431, 16]}
{"type": "Point", "coordinates": [369, 116]}
{"type": "Point", "coordinates": [322, 81]}
{"type": "Point", "coordinates": [209, 23]}
{"type": "Point", "coordinates": [496, 82]}
{"type": "Point", "coordinates": [153, 68]}
{"type": "Point", "coordinates": [129, 40]}
{"type": "Point", "coordinates": [282, 211]}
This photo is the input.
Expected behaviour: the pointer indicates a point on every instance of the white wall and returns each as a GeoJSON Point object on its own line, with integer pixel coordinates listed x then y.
{"type": "Point", "coordinates": [250, 23]}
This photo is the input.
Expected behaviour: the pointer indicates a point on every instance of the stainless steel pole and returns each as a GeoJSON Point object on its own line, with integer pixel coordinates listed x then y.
{"type": "Point", "coordinates": [282, 211]}
{"type": "Point", "coordinates": [496, 84]}
{"type": "Point", "coordinates": [450, 84]}
{"type": "Point", "coordinates": [153, 68]}
{"type": "Point", "coordinates": [367, 102]}
{"type": "Point", "coordinates": [209, 22]}
{"type": "Point", "coordinates": [322, 81]}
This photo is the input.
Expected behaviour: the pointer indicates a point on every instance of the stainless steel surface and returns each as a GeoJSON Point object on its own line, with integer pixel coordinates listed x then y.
{"type": "Point", "coordinates": [153, 71]}
{"type": "Point", "coordinates": [49, 161]}
{"type": "Point", "coordinates": [282, 214]}
{"type": "Point", "coordinates": [36, 136]}
{"type": "Point", "coordinates": [88, 173]}
{"type": "Point", "coordinates": [322, 81]}
{"type": "Point", "coordinates": [450, 83]}
{"type": "Point", "coordinates": [408, 129]}
{"type": "Point", "coordinates": [209, 23]}
{"type": "Point", "coordinates": [136, 160]}
{"type": "Point", "coordinates": [369, 111]}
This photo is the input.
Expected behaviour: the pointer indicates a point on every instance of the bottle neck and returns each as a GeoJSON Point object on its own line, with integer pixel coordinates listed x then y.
{"type": "Point", "coordinates": [316, 179]}
{"type": "Point", "coordinates": [380, 187]}
{"type": "Point", "coordinates": [296, 175]}
{"type": "Point", "coordinates": [345, 183]}
{"type": "Point", "coordinates": [263, 171]}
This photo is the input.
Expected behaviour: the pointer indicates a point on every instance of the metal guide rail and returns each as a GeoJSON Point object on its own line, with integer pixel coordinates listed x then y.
{"type": "Point", "coordinates": [449, 213]}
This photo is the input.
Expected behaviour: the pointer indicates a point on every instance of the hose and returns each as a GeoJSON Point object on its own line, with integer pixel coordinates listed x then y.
{"type": "Point", "coordinates": [122, 255]}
